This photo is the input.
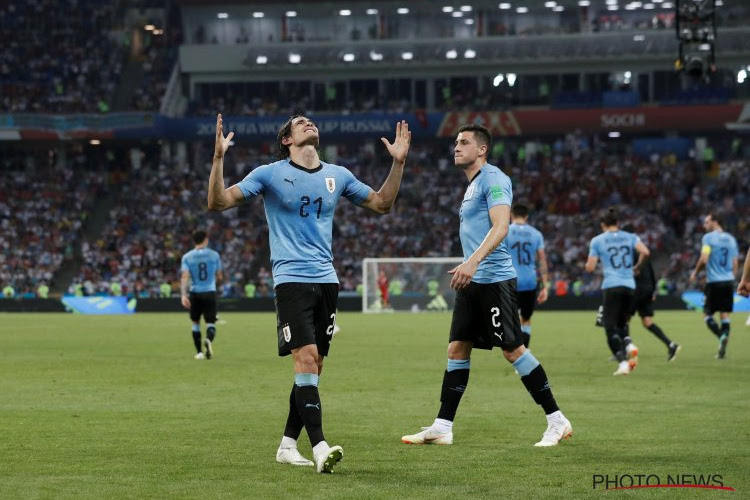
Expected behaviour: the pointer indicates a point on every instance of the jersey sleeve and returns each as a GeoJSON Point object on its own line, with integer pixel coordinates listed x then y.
{"type": "Point", "coordinates": [497, 190]}
{"type": "Point", "coordinates": [594, 249]}
{"type": "Point", "coordinates": [255, 182]}
{"type": "Point", "coordinates": [355, 190]}
{"type": "Point", "coordinates": [705, 245]}
{"type": "Point", "coordinates": [184, 264]}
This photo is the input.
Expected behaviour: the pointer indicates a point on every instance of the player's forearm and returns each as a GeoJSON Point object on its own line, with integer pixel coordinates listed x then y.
{"type": "Point", "coordinates": [184, 287]}
{"type": "Point", "coordinates": [217, 197]}
{"type": "Point", "coordinates": [544, 272]}
{"type": "Point", "coordinates": [490, 243]}
{"type": "Point", "coordinates": [388, 191]}
{"type": "Point", "coordinates": [746, 267]}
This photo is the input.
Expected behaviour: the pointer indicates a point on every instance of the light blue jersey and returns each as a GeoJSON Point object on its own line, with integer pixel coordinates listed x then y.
{"type": "Point", "coordinates": [616, 251]}
{"type": "Point", "coordinates": [300, 204]}
{"type": "Point", "coordinates": [723, 248]}
{"type": "Point", "coordinates": [524, 242]}
{"type": "Point", "coordinates": [202, 263]}
{"type": "Point", "coordinates": [489, 187]}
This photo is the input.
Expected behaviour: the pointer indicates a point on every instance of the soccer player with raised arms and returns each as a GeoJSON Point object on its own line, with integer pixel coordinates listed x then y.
{"type": "Point", "coordinates": [485, 312]}
{"type": "Point", "coordinates": [526, 246]}
{"type": "Point", "coordinates": [615, 249]}
{"type": "Point", "coordinates": [200, 272]}
{"type": "Point", "coordinates": [300, 194]}
{"type": "Point", "coordinates": [719, 256]}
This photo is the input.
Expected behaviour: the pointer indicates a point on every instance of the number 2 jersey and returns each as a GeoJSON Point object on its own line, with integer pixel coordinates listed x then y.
{"type": "Point", "coordinates": [488, 188]}
{"type": "Point", "coordinates": [524, 242]}
{"type": "Point", "coordinates": [300, 205]}
{"type": "Point", "coordinates": [202, 264]}
{"type": "Point", "coordinates": [722, 250]}
{"type": "Point", "coordinates": [616, 251]}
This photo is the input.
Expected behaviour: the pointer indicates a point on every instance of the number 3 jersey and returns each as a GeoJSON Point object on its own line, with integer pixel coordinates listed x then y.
{"type": "Point", "coordinates": [300, 205]}
{"type": "Point", "coordinates": [616, 251]}
{"type": "Point", "coordinates": [524, 242]}
{"type": "Point", "coordinates": [722, 250]}
{"type": "Point", "coordinates": [202, 264]}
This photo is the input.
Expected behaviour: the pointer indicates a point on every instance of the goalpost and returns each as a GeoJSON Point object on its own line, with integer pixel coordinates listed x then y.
{"type": "Point", "coordinates": [414, 283]}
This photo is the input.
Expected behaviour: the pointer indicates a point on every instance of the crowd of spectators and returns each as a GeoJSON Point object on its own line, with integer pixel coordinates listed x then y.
{"type": "Point", "coordinates": [567, 182]}
{"type": "Point", "coordinates": [162, 201]}
{"type": "Point", "coordinates": [58, 56]}
{"type": "Point", "coordinates": [44, 205]}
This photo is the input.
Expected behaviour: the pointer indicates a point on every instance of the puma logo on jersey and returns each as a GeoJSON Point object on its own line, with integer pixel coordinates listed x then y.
{"type": "Point", "coordinates": [290, 181]}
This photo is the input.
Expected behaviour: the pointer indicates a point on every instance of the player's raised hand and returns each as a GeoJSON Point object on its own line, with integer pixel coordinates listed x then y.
{"type": "Point", "coordinates": [400, 147]}
{"type": "Point", "coordinates": [222, 143]}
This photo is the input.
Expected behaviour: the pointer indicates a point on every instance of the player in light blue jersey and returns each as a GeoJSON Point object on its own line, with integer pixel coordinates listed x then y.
{"type": "Point", "coordinates": [614, 248]}
{"type": "Point", "coordinates": [300, 194]}
{"type": "Point", "coordinates": [719, 256]}
{"type": "Point", "coordinates": [200, 272]}
{"type": "Point", "coordinates": [485, 313]}
{"type": "Point", "coordinates": [526, 245]}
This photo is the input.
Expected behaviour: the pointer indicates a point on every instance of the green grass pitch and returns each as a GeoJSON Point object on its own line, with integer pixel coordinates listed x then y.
{"type": "Point", "coordinates": [116, 407]}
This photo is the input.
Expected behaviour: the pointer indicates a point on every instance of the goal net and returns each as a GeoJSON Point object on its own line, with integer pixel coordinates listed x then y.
{"type": "Point", "coordinates": [407, 284]}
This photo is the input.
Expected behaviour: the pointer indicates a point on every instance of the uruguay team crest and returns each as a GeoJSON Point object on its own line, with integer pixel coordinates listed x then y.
{"type": "Point", "coordinates": [469, 191]}
{"type": "Point", "coordinates": [331, 184]}
{"type": "Point", "coordinates": [287, 333]}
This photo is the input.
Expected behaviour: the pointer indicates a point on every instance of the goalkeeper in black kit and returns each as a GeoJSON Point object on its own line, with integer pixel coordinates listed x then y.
{"type": "Point", "coordinates": [643, 304]}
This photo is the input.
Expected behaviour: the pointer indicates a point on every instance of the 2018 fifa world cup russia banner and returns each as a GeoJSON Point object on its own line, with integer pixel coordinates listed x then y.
{"type": "Point", "coordinates": [695, 300]}
{"type": "Point", "coordinates": [99, 305]}
{"type": "Point", "coordinates": [525, 122]}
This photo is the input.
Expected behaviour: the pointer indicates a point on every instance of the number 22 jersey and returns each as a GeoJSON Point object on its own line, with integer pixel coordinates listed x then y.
{"type": "Point", "coordinates": [616, 251]}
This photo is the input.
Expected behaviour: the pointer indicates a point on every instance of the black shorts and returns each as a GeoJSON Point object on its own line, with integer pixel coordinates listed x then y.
{"type": "Point", "coordinates": [643, 303]}
{"type": "Point", "coordinates": [526, 303]}
{"type": "Point", "coordinates": [305, 314]}
{"type": "Point", "coordinates": [719, 297]}
{"type": "Point", "coordinates": [203, 304]}
{"type": "Point", "coordinates": [618, 304]}
{"type": "Point", "coordinates": [487, 315]}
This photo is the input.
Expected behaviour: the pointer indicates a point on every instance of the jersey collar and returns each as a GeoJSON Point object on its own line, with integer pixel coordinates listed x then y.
{"type": "Point", "coordinates": [475, 176]}
{"type": "Point", "coordinates": [308, 170]}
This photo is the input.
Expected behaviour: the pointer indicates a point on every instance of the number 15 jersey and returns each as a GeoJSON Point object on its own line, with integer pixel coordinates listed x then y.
{"type": "Point", "coordinates": [616, 251]}
{"type": "Point", "coordinates": [524, 243]}
{"type": "Point", "coordinates": [300, 205]}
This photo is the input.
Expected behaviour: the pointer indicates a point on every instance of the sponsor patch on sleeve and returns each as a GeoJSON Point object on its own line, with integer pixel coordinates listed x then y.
{"type": "Point", "coordinates": [497, 192]}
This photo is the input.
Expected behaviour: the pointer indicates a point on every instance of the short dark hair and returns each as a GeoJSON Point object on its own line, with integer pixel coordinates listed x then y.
{"type": "Point", "coordinates": [199, 236]}
{"type": "Point", "coordinates": [609, 218]}
{"type": "Point", "coordinates": [715, 217]}
{"type": "Point", "coordinates": [520, 210]}
{"type": "Point", "coordinates": [282, 150]}
{"type": "Point", "coordinates": [481, 133]}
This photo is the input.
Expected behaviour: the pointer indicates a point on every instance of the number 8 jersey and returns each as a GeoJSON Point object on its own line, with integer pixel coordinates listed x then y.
{"type": "Point", "coordinates": [299, 205]}
{"type": "Point", "coordinates": [202, 264]}
{"type": "Point", "coordinates": [615, 250]}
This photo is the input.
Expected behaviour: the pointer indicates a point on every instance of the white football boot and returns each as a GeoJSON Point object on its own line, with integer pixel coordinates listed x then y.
{"type": "Point", "coordinates": [558, 428]}
{"type": "Point", "coordinates": [429, 435]}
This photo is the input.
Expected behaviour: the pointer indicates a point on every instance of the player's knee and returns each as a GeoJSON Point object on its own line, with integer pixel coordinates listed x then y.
{"type": "Point", "coordinates": [514, 354]}
{"type": "Point", "coordinates": [459, 350]}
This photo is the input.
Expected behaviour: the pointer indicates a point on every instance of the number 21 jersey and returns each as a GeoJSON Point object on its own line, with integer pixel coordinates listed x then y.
{"type": "Point", "coordinates": [300, 205]}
